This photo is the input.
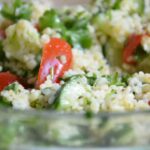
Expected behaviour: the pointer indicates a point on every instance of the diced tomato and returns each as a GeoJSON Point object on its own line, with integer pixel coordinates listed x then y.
{"type": "Point", "coordinates": [6, 78]}
{"type": "Point", "coordinates": [129, 50]}
{"type": "Point", "coordinates": [52, 51]}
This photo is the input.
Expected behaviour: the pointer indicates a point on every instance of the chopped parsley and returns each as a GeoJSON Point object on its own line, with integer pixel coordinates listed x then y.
{"type": "Point", "coordinates": [117, 80]}
{"type": "Point", "coordinates": [18, 10]}
{"type": "Point", "coordinates": [73, 29]}
{"type": "Point", "coordinates": [91, 79]}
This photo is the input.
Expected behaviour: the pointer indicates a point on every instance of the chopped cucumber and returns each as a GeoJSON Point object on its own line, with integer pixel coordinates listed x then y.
{"type": "Point", "coordinates": [71, 93]}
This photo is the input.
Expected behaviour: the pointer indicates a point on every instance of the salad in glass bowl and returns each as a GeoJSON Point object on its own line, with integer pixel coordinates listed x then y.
{"type": "Point", "coordinates": [75, 59]}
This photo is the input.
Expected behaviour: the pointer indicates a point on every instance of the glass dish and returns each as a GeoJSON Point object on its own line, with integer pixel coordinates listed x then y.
{"type": "Point", "coordinates": [50, 130]}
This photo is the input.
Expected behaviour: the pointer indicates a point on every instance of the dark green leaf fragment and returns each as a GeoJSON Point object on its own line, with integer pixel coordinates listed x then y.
{"type": "Point", "coordinates": [4, 102]}
{"type": "Point", "coordinates": [18, 10]}
{"type": "Point", "coordinates": [74, 29]}
{"type": "Point", "coordinates": [117, 80]}
{"type": "Point", "coordinates": [92, 79]}
{"type": "Point", "coordinates": [85, 39]}
{"type": "Point", "coordinates": [89, 114]}
{"type": "Point", "coordinates": [50, 19]}
{"type": "Point", "coordinates": [12, 87]}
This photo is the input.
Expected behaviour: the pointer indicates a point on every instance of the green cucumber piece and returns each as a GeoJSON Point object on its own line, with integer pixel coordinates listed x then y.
{"type": "Point", "coordinates": [70, 92]}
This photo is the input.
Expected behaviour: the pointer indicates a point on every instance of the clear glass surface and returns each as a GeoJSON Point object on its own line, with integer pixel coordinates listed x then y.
{"type": "Point", "coordinates": [43, 130]}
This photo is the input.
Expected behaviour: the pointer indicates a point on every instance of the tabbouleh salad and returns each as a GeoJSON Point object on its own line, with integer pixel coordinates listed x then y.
{"type": "Point", "coordinates": [94, 58]}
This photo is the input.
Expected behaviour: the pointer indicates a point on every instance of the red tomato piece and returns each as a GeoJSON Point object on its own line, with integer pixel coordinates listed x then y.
{"type": "Point", "coordinates": [52, 52]}
{"type": "Point", "coordinates": [6, 78]}
{"type": "Point", "coordinates": [133, 42]}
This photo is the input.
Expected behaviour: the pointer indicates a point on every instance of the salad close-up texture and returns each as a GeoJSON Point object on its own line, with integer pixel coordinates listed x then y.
{"type": "Point", "coordinates": [60, 66]}
{"type": "Point", "coordinates": [75, 58]}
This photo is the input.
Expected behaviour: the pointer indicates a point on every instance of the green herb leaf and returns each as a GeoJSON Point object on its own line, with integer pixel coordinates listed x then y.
{"type": "Point", "coordinates": [50, 19]}
{"type": "Point", "coordinates": [12, 86]}
{"type": "Point", "coordinates": [74, 29]}
{"type": "Point", "coordinates": [85, 39]}
{"type": "Point", "coordinates": [78, 38]}
{"type": "Point", "coordinates": [72, 38]}
{"type": "Point", "coordinates": [91, 79]}
{"type": "Point", "coordinates": [4, 102]}
{"type": "Point", "coordinates": [18, 10]}
{"type": "Point", "coordinates": [89, 114]}
{"type": "Point", "coordinates": [116, 4]}
{"type": "Point", "coordinates": [117, 80]}
{"type": "Point", "coordinates": [69, 22]}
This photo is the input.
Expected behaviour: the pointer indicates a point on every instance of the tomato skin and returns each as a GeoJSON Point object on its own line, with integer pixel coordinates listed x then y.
{"type": "Point", "coordinates": [6, 78]}
{"type": "Point", "coordinates": [133, 42]}
{"type": "Point", "coordinates": [52, 50]}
